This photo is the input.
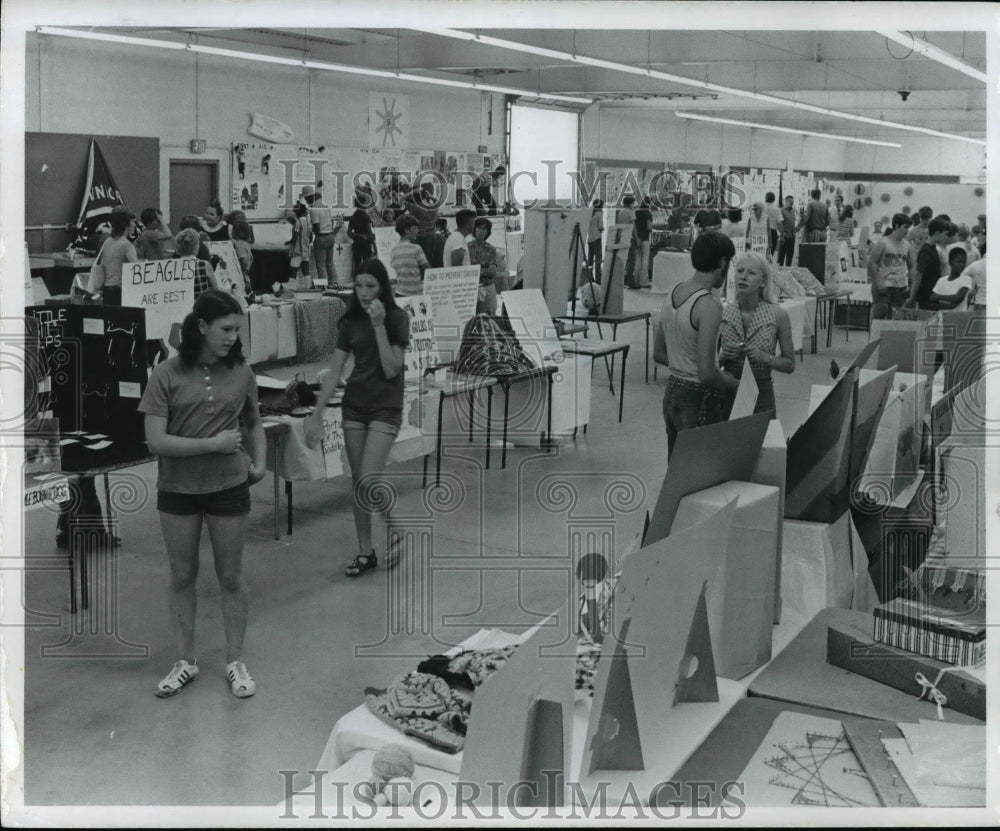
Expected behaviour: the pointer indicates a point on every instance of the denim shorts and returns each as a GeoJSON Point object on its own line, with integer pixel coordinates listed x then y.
{"type": "Point", "coordinates": [381, 419]}
{"type": "Point", "coordinates": [228, 502]}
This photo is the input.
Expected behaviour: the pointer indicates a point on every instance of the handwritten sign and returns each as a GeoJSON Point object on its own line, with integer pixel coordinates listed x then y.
{"type": "Point", "coordinates": [422, 352]}
{"type": "Point", "coordinates": [164, 288]}
{"type": "Point", "coordinates": [333, 441]}
{"type": "Point", "coordinates": [453, 293]}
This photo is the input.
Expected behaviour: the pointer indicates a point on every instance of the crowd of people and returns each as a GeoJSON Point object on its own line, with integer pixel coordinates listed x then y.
{"type": "Point", "coordinates": [200, 406]}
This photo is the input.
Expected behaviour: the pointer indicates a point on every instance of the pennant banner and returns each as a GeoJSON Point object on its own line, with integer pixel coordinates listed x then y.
{"type": "Point", "coordinates": [100, 195]}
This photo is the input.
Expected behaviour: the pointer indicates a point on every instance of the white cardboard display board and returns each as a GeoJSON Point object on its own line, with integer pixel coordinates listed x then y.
{"type": "Point", "coordinates": [741, 595]}
{"type": "Point", "coordinates": [824, 566]}
{"type": "Point", "coordinates": [548, 258]}
{"type": "Point", "coordinates": [770, 470]}
{"type": "Point", "coordinates": [453, 293]}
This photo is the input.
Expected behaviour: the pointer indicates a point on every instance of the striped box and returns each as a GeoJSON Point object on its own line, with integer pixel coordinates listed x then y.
{"type": "Point", "coordinates": [954, 637]}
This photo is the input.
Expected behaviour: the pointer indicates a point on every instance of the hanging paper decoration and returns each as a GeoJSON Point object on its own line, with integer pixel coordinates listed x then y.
{"type": "Point", "coordinates": [907, 191]}
{"type": "Point", "coordinates": [978, 191]}
{"type": "Point", "coordinates": [857, 204]}
{"type": "Point", "coordinates": [884, 220]}
{"type": "Point", "coordinates": [906, 209]}
{"type": "Point", "coordinates": [100, 195]}
{"type": "Point", "coordinates": [885, 197]}
{"type": "Point", "coordinates": [868, 200]}
{"type": "Point", "coordinates": [859, 189]}
{"type": "Point", "coordinates": [270, 129]}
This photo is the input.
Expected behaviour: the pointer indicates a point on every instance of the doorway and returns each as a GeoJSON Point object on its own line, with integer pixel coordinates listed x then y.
{"type": "Point", "coordinates": [193, 184]}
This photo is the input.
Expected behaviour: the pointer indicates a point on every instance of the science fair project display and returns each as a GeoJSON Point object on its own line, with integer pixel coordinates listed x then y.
{"type": "Point", "coordinates": [99, 363]}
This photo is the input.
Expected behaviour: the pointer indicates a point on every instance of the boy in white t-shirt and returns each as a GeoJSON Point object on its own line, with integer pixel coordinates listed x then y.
{"type": "Point", "coordinates": [953, 290]}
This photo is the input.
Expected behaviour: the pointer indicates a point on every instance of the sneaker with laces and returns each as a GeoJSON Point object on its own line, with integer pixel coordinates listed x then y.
{"type": "Point", "coordinates": [240, 681]}
{"type": "Point", "coordinates": [181, 675]}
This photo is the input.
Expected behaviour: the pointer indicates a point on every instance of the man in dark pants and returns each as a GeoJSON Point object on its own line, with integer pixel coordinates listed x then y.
{"type": "Point", "coordinates": [786, 231]}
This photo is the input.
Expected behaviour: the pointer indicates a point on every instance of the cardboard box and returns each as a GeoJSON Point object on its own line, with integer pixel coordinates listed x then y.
{"type": "Point", "coordinates": [954, 637]}
{"type": "Point", "coordinates": [850, 648]}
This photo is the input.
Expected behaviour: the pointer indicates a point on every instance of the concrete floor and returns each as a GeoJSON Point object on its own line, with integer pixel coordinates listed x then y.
{"type": "Point", "coordinates": [94, 732]}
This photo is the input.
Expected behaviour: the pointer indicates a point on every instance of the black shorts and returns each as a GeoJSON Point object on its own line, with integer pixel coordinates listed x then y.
{"type": "Point", "coordinates": [228, 502]}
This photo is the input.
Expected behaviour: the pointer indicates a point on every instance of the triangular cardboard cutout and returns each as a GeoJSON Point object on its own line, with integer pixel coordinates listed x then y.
{"type": "Point", "coordinates": [506, 738]}
{"type": "Point", "coordinates": [705, 457]}
{"type": "Point", "coordinates": [816, 479]}
{"type": "Point", "coordinates": [871, 393]}
{"type": "Point", "coordinates": [696, 673]}
{"type": "Point", "coordinates": [865, 354]}
{"type": "Point", "coordinates": [616, 743]}
{"type": "Point", "coordinates": [544, 763]}
{"type": "Point", "coordinates": [746, 394]}
{"type": "Point", "coordinates": [647, 664]}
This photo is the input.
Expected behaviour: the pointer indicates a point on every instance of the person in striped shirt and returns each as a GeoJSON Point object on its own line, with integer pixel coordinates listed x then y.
{"type": "Point", "coordinates": [407, 258]}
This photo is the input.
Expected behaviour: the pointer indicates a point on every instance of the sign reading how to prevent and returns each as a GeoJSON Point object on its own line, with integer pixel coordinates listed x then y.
{"type": "Point", "coordinates": [164, 288]}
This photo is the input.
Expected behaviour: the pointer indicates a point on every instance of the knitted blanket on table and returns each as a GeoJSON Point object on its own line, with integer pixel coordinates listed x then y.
{"type": "Point", "coordinates": [316, 327]}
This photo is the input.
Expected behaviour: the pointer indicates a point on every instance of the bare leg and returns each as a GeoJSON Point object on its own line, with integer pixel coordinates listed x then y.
{"type": "Point", "coordinates": [227, 534]}
{"type": "Point", "coordinates": [181, 535]}
{"type": "Point", "coordinates": [367, 453]}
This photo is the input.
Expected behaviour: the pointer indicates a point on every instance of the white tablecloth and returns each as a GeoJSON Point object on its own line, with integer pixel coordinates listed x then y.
{"type": "Point", "coordinates": [670, 268]}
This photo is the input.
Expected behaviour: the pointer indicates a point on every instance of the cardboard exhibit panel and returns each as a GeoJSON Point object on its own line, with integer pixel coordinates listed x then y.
{"type": "Point", "coordinates": [770, 470]}
{"type": "Point", "coordinates": [554, 251]}
{"type": "Point", "coordinates": [657, 695]}
{"type": "Point", "coordinates": [741, 597]}
{"type": "Point", "coordinates": [816, 483]}
{"type": "Point", "coordinates": [521, 725]}
{"type": "Point", "coordinates": [746, 394]}
{"type": "Point", "coordinates": [705, 457]}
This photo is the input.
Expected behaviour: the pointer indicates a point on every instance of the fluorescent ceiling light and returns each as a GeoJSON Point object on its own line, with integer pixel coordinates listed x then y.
{"type": "Point", "coordinates": [922, 47]}
{"type": "Point", "coordinates": [698, 117]}
{"type": "Point", "coordinates": [87, 35]}
{"type": "Point", "coordinates": [693, 82]}
{"type": "Point", "coordinates": [309, 64]}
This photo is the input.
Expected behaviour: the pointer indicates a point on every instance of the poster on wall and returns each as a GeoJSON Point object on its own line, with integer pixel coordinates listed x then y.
{"type": "Point", "coordinates": [388, 121]}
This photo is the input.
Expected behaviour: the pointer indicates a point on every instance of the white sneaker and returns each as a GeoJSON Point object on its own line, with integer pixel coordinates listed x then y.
{"type": "Point", "coordinates": [182, 674]}
{"type": "Point", "coordinates": [240, 682]}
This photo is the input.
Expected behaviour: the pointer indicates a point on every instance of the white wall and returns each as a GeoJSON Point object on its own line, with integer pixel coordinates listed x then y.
{"type": "Point", "coordinates": [90, 87]}
{"type": "Point", "coordinates": [958, 201]}
{"type": "Point", "coordinates": [641, 135]}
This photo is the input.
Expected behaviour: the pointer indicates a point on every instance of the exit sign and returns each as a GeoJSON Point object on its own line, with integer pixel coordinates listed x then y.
{"type": "Point", "coordinates": [197, 145]}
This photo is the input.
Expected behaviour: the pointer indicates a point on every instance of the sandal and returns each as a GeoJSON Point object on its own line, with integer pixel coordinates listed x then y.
{"type": "Point", "coordinates": [360, 564]}
{"type": "Point", "coordinates": [394, 551]}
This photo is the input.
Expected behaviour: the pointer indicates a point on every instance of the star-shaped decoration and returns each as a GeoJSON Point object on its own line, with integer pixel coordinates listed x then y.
{"type": "Point", "coordinates": [389, 118]}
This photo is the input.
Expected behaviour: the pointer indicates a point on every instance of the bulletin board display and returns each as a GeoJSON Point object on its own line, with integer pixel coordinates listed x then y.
{"type": "Point", "coordinates": [97, 358]}
{"type": "Point", "coordinates": [268, 178]}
